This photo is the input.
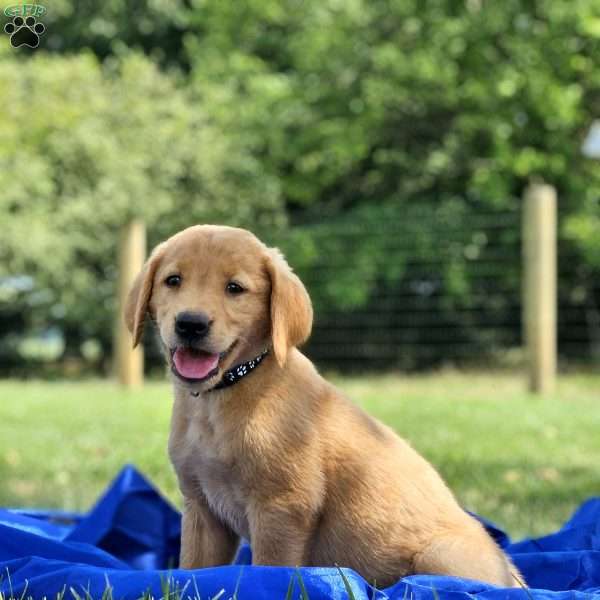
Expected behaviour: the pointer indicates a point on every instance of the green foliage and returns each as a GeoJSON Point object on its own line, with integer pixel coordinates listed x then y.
{"type": "Point", "coordinates": [415, 126]}
{"type": "Point", "coordinates": [382, 116]}
{"type": "Point", "coordinates": [390, 103]}
{"type": "Point", "coordinates": [584, 228]}
{"type": "Point", "coordinates": [86, 147]}
{"type": "Point", "coordinates": [354, 102]}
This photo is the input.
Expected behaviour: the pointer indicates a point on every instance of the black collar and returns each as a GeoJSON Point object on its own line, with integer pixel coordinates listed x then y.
{"type": "Point", "coordinates": [239, 371]}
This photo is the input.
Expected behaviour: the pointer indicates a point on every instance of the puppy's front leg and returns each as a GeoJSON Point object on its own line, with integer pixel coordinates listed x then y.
{"type": "Point", "coordinates": [205, 541]}
{"type": "Point", "coordinates": [279, 537]}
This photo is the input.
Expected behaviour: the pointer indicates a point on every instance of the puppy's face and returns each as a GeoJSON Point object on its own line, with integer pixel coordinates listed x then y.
{"type": "Point", "coordinates": [219, 297]}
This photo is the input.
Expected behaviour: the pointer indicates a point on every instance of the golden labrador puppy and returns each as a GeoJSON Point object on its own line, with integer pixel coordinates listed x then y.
{"type": "Point", "coordinates": [264, 448]}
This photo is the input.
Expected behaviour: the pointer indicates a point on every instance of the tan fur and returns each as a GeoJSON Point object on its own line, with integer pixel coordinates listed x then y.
{"type": "Point", "coordinates": [282, 458]}
{"type": "Point", "coordinates": [291, 310]}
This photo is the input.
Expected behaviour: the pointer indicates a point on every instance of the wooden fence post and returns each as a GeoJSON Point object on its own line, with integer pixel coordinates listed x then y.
{"type": "Point", "coordinates": [129, 363]}
{"type": "Point", "coordinates": [539, 285]}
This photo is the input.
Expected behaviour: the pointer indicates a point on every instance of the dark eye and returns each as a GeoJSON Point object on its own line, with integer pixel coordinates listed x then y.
{"type": "Point", "coordinates": [173, 281]}
{"type": "Point", "coordinates": [234, 288]}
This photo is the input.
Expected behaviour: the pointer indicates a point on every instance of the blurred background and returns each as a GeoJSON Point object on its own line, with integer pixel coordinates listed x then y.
{"type": "Point", "coordinates": [385, 146]}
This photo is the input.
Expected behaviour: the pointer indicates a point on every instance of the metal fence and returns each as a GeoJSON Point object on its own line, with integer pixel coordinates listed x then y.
{"type": "Point", "coordinates": [578, 304]}
{"type": "Point", "coordinates": [457, 302]}
{"type": "Point", "coordinates": [441, 291]}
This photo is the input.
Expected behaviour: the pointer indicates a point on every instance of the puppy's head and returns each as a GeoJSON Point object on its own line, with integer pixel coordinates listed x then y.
{"type": "Point", "coordinates": [219, 296]}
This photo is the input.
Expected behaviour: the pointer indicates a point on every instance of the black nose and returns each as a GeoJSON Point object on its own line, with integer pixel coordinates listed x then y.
{"type": "Point", "coordinates": [192, 326]}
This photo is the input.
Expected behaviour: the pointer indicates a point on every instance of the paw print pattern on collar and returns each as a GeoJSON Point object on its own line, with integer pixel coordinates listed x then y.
{"type": "Point", "coordinates": [239, 371]}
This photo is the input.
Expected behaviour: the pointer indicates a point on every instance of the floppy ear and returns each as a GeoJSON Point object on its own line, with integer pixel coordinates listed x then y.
{"type": "Point", "coordinates": [139, 295]}
{"type": "Point", "coordinates": [291, 309]}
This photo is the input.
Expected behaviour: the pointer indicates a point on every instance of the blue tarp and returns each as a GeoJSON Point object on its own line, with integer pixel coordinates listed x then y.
{"type": "Point", "coordinates": [130, 539]}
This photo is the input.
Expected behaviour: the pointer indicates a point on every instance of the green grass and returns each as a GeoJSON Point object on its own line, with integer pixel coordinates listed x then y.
{"type": "Point", "coordinates": [522, 461]}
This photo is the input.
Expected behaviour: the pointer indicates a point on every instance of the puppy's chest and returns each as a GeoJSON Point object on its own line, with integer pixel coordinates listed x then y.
{"type": "Point", "coordinates": [206, 465]}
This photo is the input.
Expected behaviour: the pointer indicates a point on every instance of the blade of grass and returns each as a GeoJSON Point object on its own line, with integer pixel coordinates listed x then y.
{"type": "Point", "coordinates": [165, 585]}
{"type": "Point", "coordinates": [290, 589]}
{"type": "Point", "coordinates": [522, 585]}
{"type": "Point", "coordinates": [75, 594]}
{"type": "Point", "coordinates": [237, 583]}
{"type": "Point", "coordinates": [24, 590]}
{"type": "Point", "coordinates": [10, 587]}
{"type": "Point", "coordinates": [347, 585]}
{"type": "Point", "coordinates": [107, 594]}
{"type": "Point", "coordinates": [147, 595]}
{"type": "Point", "coordinates": [405, 593]}
{"type": "Point", "coordinates": [197, 597]}
{"type": "Point", "coordinates": [181, 592]}
{"type": "Point", "coordinates": [303, 592]}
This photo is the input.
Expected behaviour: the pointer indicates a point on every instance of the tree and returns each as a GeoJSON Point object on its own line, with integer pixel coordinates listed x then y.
{"type": "Point", "coordinates": [341, 115]}
{"type": "Point", "coordinates": [382, 112]}
{"type": "Point", "coordinates": [84, 148]}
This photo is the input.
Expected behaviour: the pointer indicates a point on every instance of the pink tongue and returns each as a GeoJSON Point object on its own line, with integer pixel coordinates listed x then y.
{"type": "Point", "coordinates": [194, 365]}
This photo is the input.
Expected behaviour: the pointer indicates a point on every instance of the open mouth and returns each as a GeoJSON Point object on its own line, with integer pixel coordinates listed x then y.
{"type": "Point", "coordinates": [194, 365]}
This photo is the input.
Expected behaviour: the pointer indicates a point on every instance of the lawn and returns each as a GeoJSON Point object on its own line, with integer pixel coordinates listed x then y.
{"type": "Point", "coordinates": [522, 461]}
